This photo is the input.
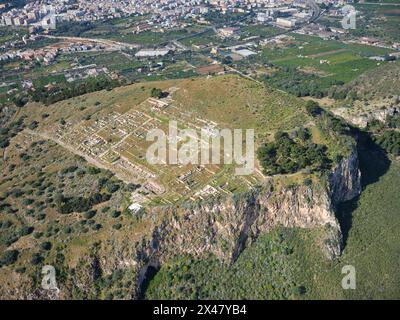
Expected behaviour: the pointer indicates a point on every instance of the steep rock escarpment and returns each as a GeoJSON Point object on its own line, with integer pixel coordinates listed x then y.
{"type": "Point", "coordinates": [361, 117]}
{"type": "Point", "coordinates": [219, 226]}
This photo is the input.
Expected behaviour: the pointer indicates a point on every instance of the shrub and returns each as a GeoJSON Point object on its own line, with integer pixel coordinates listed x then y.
{"type": "Point", "coordinates": [46, 245]}
{"type": "Point", "coordinates": [97, 226]}
{"type": "Point", "coordinates": [115, 214]}
{"type": "Point", "coordinates": [79, 204]}
{"type": "Point", "coordinates": [313, 108]}
{"type": "Point", "coordinates": [117, 226]}
{"type": "Point", "coordinates": [38, 235]}
{"type": "Point", "coordinates": [307, 182]}
{"type": "Point", "coordinates": [89, 214]}
{"type": "Point", "coordinates": [41, 216]}
{"type": "Point", "coordinates": [93, 170]}
{"type": "Point", "coordinates": [20, 270]}
{"type": "Point", "coordinates": [26, 230]}
{"type": "Point", "coordinates": [287, 155]}
{"type": "Point", "coordinates": [389, 141]}
{"type": "Point", "coordinates": [9, 257]}
{"type": "Point", "coordinates": [105, 209]}
{"type": "Point", "coordinates": [36, 258]}
{"type": "Point", "coordinates": [300, 290]}
{"type": "Point", "coordinates": [156, 93]}
{"type": "Point", "coordinates": [112, 187]}
{"type": "Point", "coordinates": [67, 230]}
{"type": "Point", "coordinates": [33, 125]}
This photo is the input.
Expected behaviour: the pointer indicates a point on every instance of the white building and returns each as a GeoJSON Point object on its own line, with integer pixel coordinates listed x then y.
{"type": "Point", "coordinates": [145, 53]}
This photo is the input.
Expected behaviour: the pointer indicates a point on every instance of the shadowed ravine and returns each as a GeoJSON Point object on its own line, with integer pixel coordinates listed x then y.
{"type": "Point", "coordinates": [373, 164]}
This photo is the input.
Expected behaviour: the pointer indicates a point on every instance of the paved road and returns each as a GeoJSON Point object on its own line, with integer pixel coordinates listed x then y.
{"type": "Point", "coordinates": [315, 9]}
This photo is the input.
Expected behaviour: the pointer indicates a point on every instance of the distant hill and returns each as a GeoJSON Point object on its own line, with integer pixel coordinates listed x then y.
{"type": "Point", "coordinates": [374, 95]}
{"type": "Point", "coordinates": [379, 83]}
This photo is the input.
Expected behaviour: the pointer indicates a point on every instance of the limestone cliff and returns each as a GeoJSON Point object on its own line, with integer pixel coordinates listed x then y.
{"type": "Point", "coordinates": [219, 226]}
{"type": "Point", "coordinates": [345, 179]}
{"type": "Point", "coordinates": [224, 227]}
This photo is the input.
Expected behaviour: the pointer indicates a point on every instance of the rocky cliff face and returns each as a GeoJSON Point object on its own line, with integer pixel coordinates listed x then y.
{"type": "Point", "coordinates": [220, 226]}
{"type": "Point", "coordinates": [345, 179]}
{"type": "Point", "coordinates": [224, 227]}
{"type": "Point", "coordinates": [361, 116]}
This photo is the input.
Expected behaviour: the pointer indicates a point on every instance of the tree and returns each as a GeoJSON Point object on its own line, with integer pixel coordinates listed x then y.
{"type": "Point", "coordinates": [46, 245]}
{"type": "Point", "coordinates": [36, 258]}
{"type": "Point", "coordinates": [9, 257]}
{"type": "Point", "coordinates": [112, 187]}
{"type": "Point", "coordinates": [313, 108]}
{"type": "Point", "coordinates": [288, 155]}
{"type": "Point", "coordinates": [89, 214]}
{"type": "Point", "coordinates": [26, 230]}
{"type": "Point", "coordinates": [156, 93]}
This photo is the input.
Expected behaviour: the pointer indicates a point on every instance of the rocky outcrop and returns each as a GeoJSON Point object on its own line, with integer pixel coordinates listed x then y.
{"type": "Point", "coordinates": [360, 117]}
{"type": "Point", "coordinates": [224, 227]}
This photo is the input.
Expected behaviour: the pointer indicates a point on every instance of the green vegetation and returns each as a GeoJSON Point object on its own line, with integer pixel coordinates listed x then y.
{"type": "Point", "coordinates": [31, 193]}
{"type": "Point", "coordinates": [10, 131]}
{"type": "Point", "coordinates": [288, 264]}
{"type": "Point", "coordinates": [393, 121]}
{"type": "Point", "coordinates": [52, 94]}
{"type": "Point", "coordinates": [309, 65]}
{"type": "Point", "coordinates": [266, 270]}
{"type": "Point", "coordinates": [9, 33]}
{"type": "Point", "coordinates": [294, 151]}
{"type": "Point", "coordinates": [378, 21]}
{"type": "Point", "coordinates": [390, 141]}
{"type": "Point", "coordinates": [79, 204]}
{"type": "Point", "coordinates": [121, 30]}
{"type": "Point", "coordinates": [385, 134]}
{"type": "Point", "coordinates": [8, 257]}
{"type": "Point", "coordinates": [374, 84]}
{"type": "Point", "coordinates": [156, 93]}
{"type": "Point", "coordinates": [41, 180]}
{"type": "Point", "coordinates": [298, 83]}
{"type": "Point", "coordinates": [375, 19]}
{"type": "Point", "coordinates": [289, 155]}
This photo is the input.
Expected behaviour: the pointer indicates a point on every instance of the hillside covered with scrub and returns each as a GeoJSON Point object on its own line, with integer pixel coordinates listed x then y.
{"type": "Point", "coordinates": [65, 206]}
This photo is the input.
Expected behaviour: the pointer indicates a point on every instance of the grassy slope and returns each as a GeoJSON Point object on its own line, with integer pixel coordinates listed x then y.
{"type": "Point", "coordinates": [267, 261]}
{"type": "Point", "coordinates": [380, 82]}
